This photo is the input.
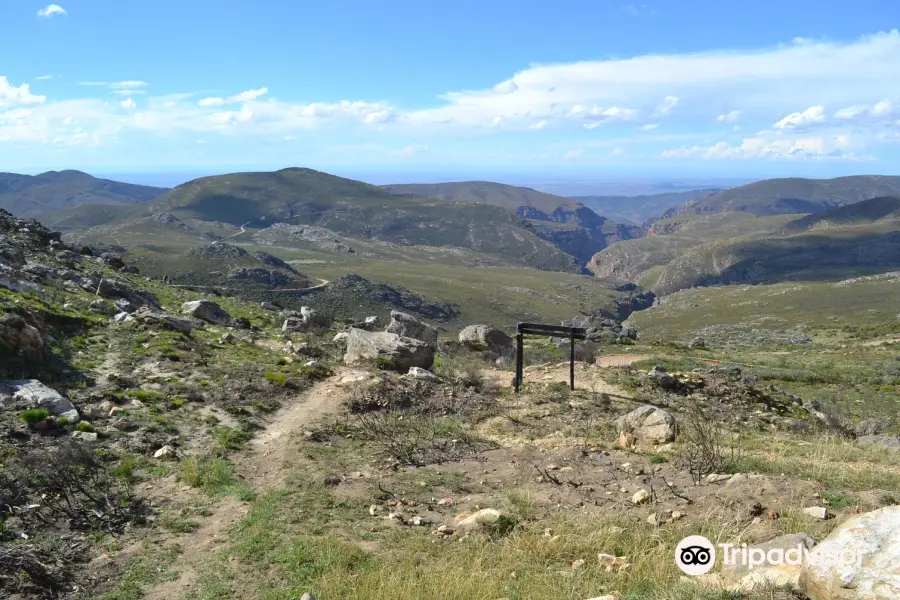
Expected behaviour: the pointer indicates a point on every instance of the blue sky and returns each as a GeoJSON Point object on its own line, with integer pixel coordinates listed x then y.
{"type": "Point", "coordinates": [565, 89]}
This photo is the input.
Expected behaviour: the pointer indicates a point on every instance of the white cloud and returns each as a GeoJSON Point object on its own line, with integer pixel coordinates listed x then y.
{"type": "Point", "coordinates": [93, 83]}
{"type": "Point", "coordinates": [617, 152]}
{"type": "Point", "coordinates": [11, 95]}
{"type": "Point", "coordinates": [128, 103]}
{"type": "Point", "coordinates": [211, 102]}
{"type": "Point", "coordinates": [122, 85]}
{"type": "Point", "coordinates": [729, 117]}
{"type": "Point", "coordinates": [574, 154]}
{"type": "Point", "coordinates": [649, 126]}
{"type": "Point", "coordinates": [667, 105]}
{"type": "Point", "coordinates": [129, 92]}
{"type": "Point", "coordinates": [249, 95]}
{"type": "Point", "coordinates": [51, 10]}
{"type": "Point", "coordinates": [837, 147]}
{"type": "Point", "coordinates": [497, 122]}
{"type": "Point", "coordinates": [879, 110]}
{"type": "Point", "coordinates": [801, 120]}
{"type": "Point", "coordinates": [44, 77]}
{"type": "Point", "coordinates": [413, 149]}
{"type": "Point", "coordinates": [539, 125]}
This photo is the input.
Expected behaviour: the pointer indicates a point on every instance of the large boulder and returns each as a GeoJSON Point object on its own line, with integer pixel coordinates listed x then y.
{"type": "Point", "coordinates": [38, 395]}
{"type": "Point", "coordinates": [406, 325]}
{"type": "Point", "coordinates": [207, 310]}
{"type": "Point", "coordinates": [646, 425]}
{"type": "Point", "coordinates": [157, 317]}
{"type": "Point", "coordinates": [485, 337]}
{"type": "Point", "coordinates": [114, 289]}
{"type": "Point", "coordinates": [857, 560]}
{"type": "Point", "coordinates": [397, 352]}
{"type": "Point", "coordinates": [19, 338]}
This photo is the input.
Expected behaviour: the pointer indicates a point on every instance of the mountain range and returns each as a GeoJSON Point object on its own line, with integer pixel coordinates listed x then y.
{"type": "Point", "coordinates": [39, 195]}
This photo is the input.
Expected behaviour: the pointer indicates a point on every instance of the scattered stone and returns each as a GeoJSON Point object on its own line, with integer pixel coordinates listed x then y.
{"type": "Point", "coordinates": [577, 564]}
{"type": "Point", "coordinates": [267, 306]}
{"type": "Point", "coordinates": [653, 519]}
{"type": "Point", "coordinates": [816, 512]}
{"type": "Point", "coordinates": [102, 307]}
{"type": "Point", "coordinates": [647, 425]}
{"type": "Point", "coordinates": [406, 325]}
{"type": "Point", "coordinates": [21, 338]}
{"type": "Point", "coordinates": [640, 497]}
{"type": "Point", "coordinates": [610, 562]}
{"type": "Point", "coordinates": [157, 317]}
{"type": "Point", "coordinates": [207, 310]}
{"type": "Point", "coordinates": [228, 338]}
{"type": "Point", "coordinates": [394, 351]}
{"type": "Point", "coordinates": [85, 436]}
{"type": "Point", "coordinates": [166, 452]}
{"type": "Point", "coordinates": [423, 375]}
{"type": "Point", "coordinates": [873, 539]}
{"type": "Point", "coordinates": [484, 337]}
{"type": "Point", "coordinates": [868, 427]}
{"type": "Point", "coordinates": [697, 343]}
{"type": "Point", "coordinates": [659, 376]}
{"type": "Point", "coordinates": [122, 317]}
{"type": "Point", "coordinates": [485, 516]}
{"type": "Point", "coordinates": [341, 337]}
{"type": "Point", "coordinates": [307, 596]}
{"type": "Point", "coordinates": [886, 441]}
{"type": "Point", "coordinates": [38, 395]}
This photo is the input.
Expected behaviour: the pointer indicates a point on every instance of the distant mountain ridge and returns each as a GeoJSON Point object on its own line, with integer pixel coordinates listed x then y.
{"type": "Point", "coordinates": [565, 222]}
{"type": "Point", "coordinates": [638, 210]}
{"type": "Point", "coordinates": [38, 195]}
{"type": "Point", "coordinates": [873, 210]}
{"type": "Point", "coordinates": [792, 195]}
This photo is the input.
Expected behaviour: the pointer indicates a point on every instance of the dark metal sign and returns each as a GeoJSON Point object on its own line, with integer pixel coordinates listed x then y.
{"type": "Point", "coordinates": [573, 333]}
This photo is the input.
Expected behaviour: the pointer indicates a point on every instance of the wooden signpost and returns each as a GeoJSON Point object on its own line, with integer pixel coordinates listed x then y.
{"type": "Point", "coordinates": [573, 333]}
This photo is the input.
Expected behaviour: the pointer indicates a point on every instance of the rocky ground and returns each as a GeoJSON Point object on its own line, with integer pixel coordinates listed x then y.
{"type": "Point", "coordinates": [155, 443]}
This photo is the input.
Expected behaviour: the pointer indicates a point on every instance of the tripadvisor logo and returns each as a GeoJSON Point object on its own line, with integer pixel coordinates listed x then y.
{"type": "Point", "coordinates": [695, 555]}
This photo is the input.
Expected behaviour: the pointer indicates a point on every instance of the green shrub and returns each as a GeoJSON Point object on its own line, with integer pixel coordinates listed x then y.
{"type": "Point", "coordinates": [63, 421]}
{"type": "Point", "coordinates": [32, 416]}
{"type": "Point", "coordinates": [276, 378]}
{"type": "Point", "coordinates": [86, 427]}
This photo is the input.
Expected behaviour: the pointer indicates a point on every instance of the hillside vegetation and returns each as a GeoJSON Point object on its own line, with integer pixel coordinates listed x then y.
{"type": "Point", "coordinates": [565, 222]}
{"type": "Point", "coordinates": [40, 195]}
{"type": "Point", "coordinates": [255, 201]}
{"type": "Point", "coordinates": [792, 195]}
{"type": "Point", "coordinates": [867, 211]}
{"type": "Point", "coordinates": [638, 210]}
{"type": "Point", "coordinates": [667, 239]}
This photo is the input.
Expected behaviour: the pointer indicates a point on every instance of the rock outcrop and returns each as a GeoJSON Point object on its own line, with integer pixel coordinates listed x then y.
{"type": "Point", "coordinates": [406, 325]}
{"type": "Point", "coordinates": [485, 337]}
{"type": "Point", "coordinates": [207, 310]}
{"type": "Point", "coordinates": [391, 350]}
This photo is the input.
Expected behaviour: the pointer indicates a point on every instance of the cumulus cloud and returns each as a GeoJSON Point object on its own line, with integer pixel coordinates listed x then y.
{"type": "Point", "coordinates": [128, 103]}
{"type": "Point", "coordinates": [11, 95]}
{"type": "Point", "coordinates": [51, 10]}
{"type": "Point", "coordinates": [801, 120]}
{"type": "Point", "coordinates": [834, 147]}
{"type": "Point", "coordinates": [879, 110]}
{"type": "Point", "coordinates": [539, 125]}
{"type": "Point", "coordinates": [729, 117]}
{"type": "Point", "coordinates": [120, 85]}
{"type": "Point", "coordinates": [211, 102]}
{"type": "Point", "coordinates": [247, 96]}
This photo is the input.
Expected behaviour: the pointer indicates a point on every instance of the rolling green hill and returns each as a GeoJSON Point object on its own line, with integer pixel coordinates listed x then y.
{"type": "Point", "coordinates": [565, 222]}
{"type": "Point", "coordinates": [867, 211]}
{"type": "Point", "coordinates": [792, 195]}
{"type": "Point", "coordinates": [818, 255]}
{"type": "Point", "coordinates": [39, 195]}
{"type": "Point", "coordinates": [641, 260]}
{"type": "Point", "coordinates": [638, 210]}
{"type": "Point", "coordinates": [254, 201]}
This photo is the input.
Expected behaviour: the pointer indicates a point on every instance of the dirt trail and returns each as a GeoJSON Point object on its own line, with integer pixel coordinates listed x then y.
{"type": "Point", "coordinates": [263, 467]}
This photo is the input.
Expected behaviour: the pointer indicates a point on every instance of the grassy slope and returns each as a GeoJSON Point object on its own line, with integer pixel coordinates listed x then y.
{"type": "Point", "coordinates": [793, 195]}
{"type": "Point", "coordinates": [867, 211]}
{"type": "Point", "coordinates": [486, 192]}
{"type": "Point", "coordinates": [355, 209]}
{"type": "Point", "coordinates": [634, 260]}
{"type": "Point", "coordinates": [38, 195]}
{"type": "Point", "coordinates": [838, 252]}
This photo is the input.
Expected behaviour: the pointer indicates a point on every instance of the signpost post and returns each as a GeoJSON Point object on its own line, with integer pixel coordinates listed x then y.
{"type": "Point", "coordinates": [573, 333]}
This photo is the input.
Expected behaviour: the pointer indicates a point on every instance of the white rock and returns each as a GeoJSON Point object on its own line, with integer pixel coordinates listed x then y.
{"type": "Point", "coordinates": [816, 512]}
{"type": "Point", "coordinates": [640, 497]}
{"type": "Point", "coordinates": [39, 395]}
{"type": "Point", "coordinates": [485, 516]}
{"type": "Point", "coordinates": [780, 571]}
{"type": "Point", "coordinates": [85, 436]}
{"type": "Point", "coordinates": [647, 425]}
{"type": "Point", "coordinates": [873, 539]}
{"type": "Point", "coordinates": [165, 452]}
{"type": "Point", "coordinates": [422, 375]}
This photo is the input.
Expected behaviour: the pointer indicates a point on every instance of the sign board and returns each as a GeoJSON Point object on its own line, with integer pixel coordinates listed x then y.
{"type": "Point", "coordinates": [572, 333]}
